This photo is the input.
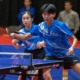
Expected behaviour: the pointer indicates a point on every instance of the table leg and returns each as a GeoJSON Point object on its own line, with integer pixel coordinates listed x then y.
{"type": "Point", "coordinates": [40, 74]}
{"type": "Point", "coordinates": [3, 76]}
{"type": "Point", "coordinates": [24, 75]}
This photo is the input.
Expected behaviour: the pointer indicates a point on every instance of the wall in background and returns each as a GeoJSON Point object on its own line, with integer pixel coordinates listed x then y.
{"type": "Point", "coordinates": [10, 8]}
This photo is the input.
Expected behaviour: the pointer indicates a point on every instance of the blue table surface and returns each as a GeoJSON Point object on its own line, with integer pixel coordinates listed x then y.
{"type": "Point", "coordinates": [16, 62]}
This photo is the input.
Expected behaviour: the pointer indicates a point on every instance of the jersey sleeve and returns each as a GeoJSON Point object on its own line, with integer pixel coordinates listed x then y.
{"type": "Point", "coordinates": [66, 30]}
{"type": "Point", "coordinates": [20, 42]}
{"type": "Point", "coordinates": [35, 31]}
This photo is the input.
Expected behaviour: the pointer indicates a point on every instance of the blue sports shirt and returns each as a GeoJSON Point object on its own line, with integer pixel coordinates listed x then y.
{"type": "Point", "coordinates": [30, 44]}
{"type": "Point", "coordinates": [55, 37]}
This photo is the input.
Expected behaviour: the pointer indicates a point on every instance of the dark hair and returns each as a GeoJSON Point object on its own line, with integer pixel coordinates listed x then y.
{"type": "Point", "coordinates": [29, 0]}
{"type": "Point", "coordinates": [28, 12]}
{"type": "Point", "coordinates": [50, 8]}
{"type": "Point", "coordinates": [68, 2]}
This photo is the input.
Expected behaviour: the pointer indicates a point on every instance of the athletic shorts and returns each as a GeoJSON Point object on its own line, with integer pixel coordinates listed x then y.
{"type": "Point", "coordinates": [68, 61]}
{"type": "Point", "coordinates": [37, 53]}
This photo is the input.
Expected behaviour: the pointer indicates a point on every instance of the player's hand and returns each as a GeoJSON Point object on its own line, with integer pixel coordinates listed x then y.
{"type": "Point", "coordinates": [12, 35]}
{"type": "Point", "coordinates": [14, 41]}
{"type": "Point", "coordinates": [40, 44]}
{"type": "Point", "coordinates": [70, 51]}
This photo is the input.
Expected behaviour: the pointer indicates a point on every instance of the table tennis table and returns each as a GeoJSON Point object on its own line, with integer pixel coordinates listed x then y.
{"type": "Point", "coordinates": [15, 65]}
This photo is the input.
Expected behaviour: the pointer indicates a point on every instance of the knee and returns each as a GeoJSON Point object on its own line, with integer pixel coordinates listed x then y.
{"type": "Point", "coordinates": [76, 68]}
{"type": "Point", "coordinates": [34, 78]}
{"type": "Point", "coordinates": [47, 76]}
{"type": "Point", "coordinates": [79, 71]}
{"type": "Point", "coordinates": [19, 78]}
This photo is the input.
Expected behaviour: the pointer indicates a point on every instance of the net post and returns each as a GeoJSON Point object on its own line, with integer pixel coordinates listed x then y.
{"type": "Point", "coordinates": [31, 57]}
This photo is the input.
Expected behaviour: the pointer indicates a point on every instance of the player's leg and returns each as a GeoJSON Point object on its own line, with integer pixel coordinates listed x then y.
{"type": "Point", "coordinates": [46, 75]}
{"type": "Point", "coordinates": [39, 54]}
{"type": "Point", "coordinates": [46, 72]}
{"type": "Point", "coordinates": [20, 77]}
{"type": "Point", "coordinates": [76, 65]}
{"type": "Point", "coordinates": [76, 68]}
{"type": "Point", "coordinates": [72, 62]}
{"type": "Point", "coordinates": [35, 77]}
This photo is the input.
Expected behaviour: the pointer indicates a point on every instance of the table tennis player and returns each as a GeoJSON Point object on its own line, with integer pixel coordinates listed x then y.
{"type": "Point", "coordinates": [55, 35]}
{"type": "Point", "coordinates": [30, 44]}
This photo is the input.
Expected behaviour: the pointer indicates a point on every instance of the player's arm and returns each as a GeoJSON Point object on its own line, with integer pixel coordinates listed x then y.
{"type": "Point", "coordinates": [71, 49]}
{"type": "Point", "coordinates": [15, 43]}
{"type": "Point", "coordinates": [33, 32]}
{"type": "Point", "coordinates": [67, 31]}
{"type": "Point", "coordinates": [20, 36]}
{"type": "Point", "coordinates": [41, 44]}
{"type": "Point", "coordinates": [74, 41]}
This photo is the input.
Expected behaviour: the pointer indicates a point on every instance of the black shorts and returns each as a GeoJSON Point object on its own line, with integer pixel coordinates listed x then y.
{"type": "Point", "coordinates": [37, 53]}
{"type": "Point", "coordinates": [68, 61]}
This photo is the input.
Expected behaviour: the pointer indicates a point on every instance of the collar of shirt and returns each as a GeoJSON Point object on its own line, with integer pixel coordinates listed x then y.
{"type": "Point", "coordinates": [28, 9]}
{"type": "Point", "coordinates": [68, 11]}
{"type": "Point", "coordinates": [53, 22]}
{"type": "Point", "coordinates": [28, 30]}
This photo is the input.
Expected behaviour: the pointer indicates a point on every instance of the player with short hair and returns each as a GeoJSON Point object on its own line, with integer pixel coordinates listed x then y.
{"type": "Point", "coordinates": [55, 35]}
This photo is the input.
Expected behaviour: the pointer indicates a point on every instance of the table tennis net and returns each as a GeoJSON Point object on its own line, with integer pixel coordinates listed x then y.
{"type": "Point", "coordinates": [15, 58]}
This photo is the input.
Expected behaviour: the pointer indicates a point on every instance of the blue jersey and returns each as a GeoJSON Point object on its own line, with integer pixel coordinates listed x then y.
{"type": "Point", "coordinates": [55, 37]}
{"type": "Point", "coordinates": [30, 44]}
{"type": "Point", "coordinates": [31, 9]}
